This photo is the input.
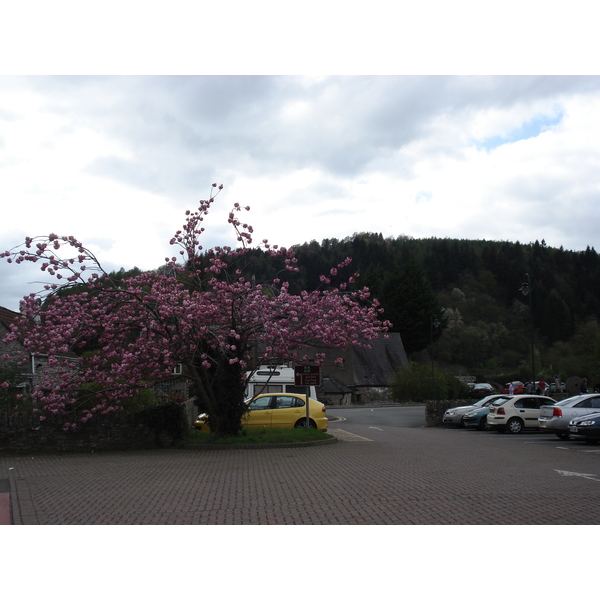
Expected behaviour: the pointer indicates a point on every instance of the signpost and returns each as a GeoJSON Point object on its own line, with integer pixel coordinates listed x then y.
{"type": "Point", "coordinates": [307, 375]}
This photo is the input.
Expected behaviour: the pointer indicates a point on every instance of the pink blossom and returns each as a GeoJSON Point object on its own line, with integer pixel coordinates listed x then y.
{"type": "Point", "coordinates": [206, 315]}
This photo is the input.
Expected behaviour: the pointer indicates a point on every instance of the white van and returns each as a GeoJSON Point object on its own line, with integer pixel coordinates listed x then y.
{"type": "Point", "coordinates": [267, 379]}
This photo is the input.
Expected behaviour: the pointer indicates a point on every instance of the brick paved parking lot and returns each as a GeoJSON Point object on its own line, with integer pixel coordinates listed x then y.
{"type": "Point", "coordinates": [370, 476]}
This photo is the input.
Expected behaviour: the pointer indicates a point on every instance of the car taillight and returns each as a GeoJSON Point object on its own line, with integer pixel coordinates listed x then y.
{"type": "Point", "coordinates": [557, 412]}
{"type": "Point", "coordinates": [323, 409]}
{"type": "Point", "coordinates": [501, 411]}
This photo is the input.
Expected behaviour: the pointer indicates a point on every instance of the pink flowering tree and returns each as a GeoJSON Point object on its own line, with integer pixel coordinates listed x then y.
{"type": "Point", "coordinates": [199, 310]}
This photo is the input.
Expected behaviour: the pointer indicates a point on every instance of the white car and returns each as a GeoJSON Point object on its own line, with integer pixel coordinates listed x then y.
{"type": "Point", "coordinates": [515, 413]}
{"type": "Point", "coordinates": [454, 416]}
{"type": "Point", "coordinates": [555, 419]}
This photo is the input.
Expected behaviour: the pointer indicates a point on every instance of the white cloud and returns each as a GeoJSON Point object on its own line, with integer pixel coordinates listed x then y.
{"type": "Point", "coordinates": [116, 161]}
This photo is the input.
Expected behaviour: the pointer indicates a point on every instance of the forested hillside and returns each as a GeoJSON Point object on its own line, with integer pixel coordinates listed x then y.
{"type": "Point", "coordinates": [474, 288]}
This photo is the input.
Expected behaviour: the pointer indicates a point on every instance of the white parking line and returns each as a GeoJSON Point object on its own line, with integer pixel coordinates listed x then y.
{"type": "Point", "coordinates": [346, 436]}
{"type": "Point", "coordinates": [591, 476]}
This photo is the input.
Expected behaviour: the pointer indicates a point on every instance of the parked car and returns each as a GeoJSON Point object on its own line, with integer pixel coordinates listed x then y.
{"type": "Point", "coordinates": [278, 411]}
{"type": "Point", "coordinates": [454, 416]}
{"type": "Point", "coordinates": [555, 418]}
{"type": "Point", "coordinates": [481, 390]}
{"type": "Point", "coordinates": [517, 412]}
{"type": "Point", "coordinates": [587, 427]}
{"type": "Point", "coordinates": [519, 387]}
{"type": "Point", "coordinates": [555, 390]}
{"type": "Point", "coordinates": [477, 418]}
{"type": "Point", "coordinates": [537, 387]}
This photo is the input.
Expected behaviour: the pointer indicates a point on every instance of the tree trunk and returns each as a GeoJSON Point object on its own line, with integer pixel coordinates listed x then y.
{"type": "Point", "coordinates": [221, 392]}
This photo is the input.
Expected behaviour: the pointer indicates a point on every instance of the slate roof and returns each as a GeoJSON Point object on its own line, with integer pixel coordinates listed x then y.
{"type": "Point", "coordinates": [376, 366]}
{"type": "Point", "coordinates": [7, 316]}
{"type": "Point", "coordinates": [331, 385]}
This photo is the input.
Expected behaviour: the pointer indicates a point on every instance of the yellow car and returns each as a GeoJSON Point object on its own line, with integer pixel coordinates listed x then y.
{"type": "Point", "coordinates": [278, 411]}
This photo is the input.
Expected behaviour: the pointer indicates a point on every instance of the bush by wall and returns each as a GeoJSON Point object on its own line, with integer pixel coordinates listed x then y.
{"type": "Point", "coordinates": [23, 432]}
{"type": "Point", "coordinates": [417, 383]}
{"type": "Point", "coordinates": [168, 418]}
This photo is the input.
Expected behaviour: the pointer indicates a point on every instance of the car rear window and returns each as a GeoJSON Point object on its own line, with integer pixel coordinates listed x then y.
{"type": "Point", "coordinates": [593, 402]}
{"type": "Point", "coordinates": [500, 401]}
{"type": "Point", "coordinates": [568, 401]}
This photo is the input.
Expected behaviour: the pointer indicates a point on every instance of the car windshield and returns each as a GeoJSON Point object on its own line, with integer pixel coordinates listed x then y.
{"type": "Point", "coordinates": [482, 402]}
{"type": "Point", "coordinates": [595, 415]}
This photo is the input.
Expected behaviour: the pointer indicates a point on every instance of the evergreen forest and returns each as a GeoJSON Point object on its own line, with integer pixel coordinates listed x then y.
{"type": "Point", "coordinates": [473, 290]}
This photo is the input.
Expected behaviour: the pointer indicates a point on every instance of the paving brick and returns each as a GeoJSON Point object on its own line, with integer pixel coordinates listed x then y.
{"type": "Point", "coordinates": [401, 476]}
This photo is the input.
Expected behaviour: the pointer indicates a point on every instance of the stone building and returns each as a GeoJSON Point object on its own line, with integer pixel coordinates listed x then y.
{"type": "Point", "coordinates": [30, 369]}
{"type": "Point", "coordinates": [12, 355]}
{"type": "Point", "coordinates": [365, 374]}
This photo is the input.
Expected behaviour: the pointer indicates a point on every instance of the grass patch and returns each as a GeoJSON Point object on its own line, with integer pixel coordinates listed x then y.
{"type": "Point", "coordinates": [260, 436]}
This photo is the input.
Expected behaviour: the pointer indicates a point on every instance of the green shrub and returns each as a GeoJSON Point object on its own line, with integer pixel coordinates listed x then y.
{"type": "Point", "coordinates": [456, 389]}
{"type": "Point", "coordinates": [416, 384]}
{"type": "Point", "coordinates": [167, 418]}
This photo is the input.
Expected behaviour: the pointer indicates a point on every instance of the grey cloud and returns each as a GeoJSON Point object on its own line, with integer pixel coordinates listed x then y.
{"type": "Point", "coordinates": [185, 128]}
{"type": "Point", "coordinates": [6, 115]}
{"type": "Point", "coordinates": [17, 281]}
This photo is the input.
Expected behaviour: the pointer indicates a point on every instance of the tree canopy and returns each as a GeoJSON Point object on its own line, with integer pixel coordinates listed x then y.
{"type": "Point", "coordinates": [207, 311]}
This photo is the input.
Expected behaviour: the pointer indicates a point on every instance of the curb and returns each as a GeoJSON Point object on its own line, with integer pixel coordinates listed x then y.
{"type": "Point", "coordinates": [374, 405]}
{"type": "Point", "coordinates": [5, 502]}
{"type": "Point", "coordinates": [332, 440]}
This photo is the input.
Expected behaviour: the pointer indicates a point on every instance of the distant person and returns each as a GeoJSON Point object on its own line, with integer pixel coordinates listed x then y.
{"type": "Point", "coordinates": [557, 384]}
{"type": "Point", "coordinates": [541, 389]}
{"type": "Point", "coordinates": [583, 387]}
{"type": "Point", "coordinates": [511, 389]}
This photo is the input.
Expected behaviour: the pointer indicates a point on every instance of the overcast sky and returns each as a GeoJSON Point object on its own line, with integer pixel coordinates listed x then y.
{"type": "Point", "coordinates": [116, 161]}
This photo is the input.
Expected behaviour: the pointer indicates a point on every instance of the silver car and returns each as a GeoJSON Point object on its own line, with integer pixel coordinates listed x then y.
{"type": "Point", "coordinates": [454, 416]}
{"type": "Point", "coordinates": [555, 418]}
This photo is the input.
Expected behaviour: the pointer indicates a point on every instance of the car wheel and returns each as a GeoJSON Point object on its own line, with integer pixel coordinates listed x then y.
{"type": "Point", "coordinates": [302, 423]}
{"type": "Point", "coordinates": [563, 436]}
{"type": "Point", "coordinates": [483, 425]}
{"type": "Point", "coordinates": [591, 441]}
{"type": "Point", "coordinates": [514, 425]}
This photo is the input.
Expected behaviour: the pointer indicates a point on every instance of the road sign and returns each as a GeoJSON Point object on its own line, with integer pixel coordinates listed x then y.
{"type": "Point", "coordinates": [307, 375]}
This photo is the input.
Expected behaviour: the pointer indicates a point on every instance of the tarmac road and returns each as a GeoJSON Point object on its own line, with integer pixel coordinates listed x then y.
{"type": "Point", "coordinates": [385, 416]}
{"type": "Point", "coordinates": [375, 474]}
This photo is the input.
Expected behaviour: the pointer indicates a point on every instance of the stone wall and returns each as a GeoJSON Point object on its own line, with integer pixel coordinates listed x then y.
{"type": "Point", "coordinates": [435, 409]}
{"type": "Point", "coordinates": [373, 395]}
{"type": "Point", "coordinates": [114, 432]}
